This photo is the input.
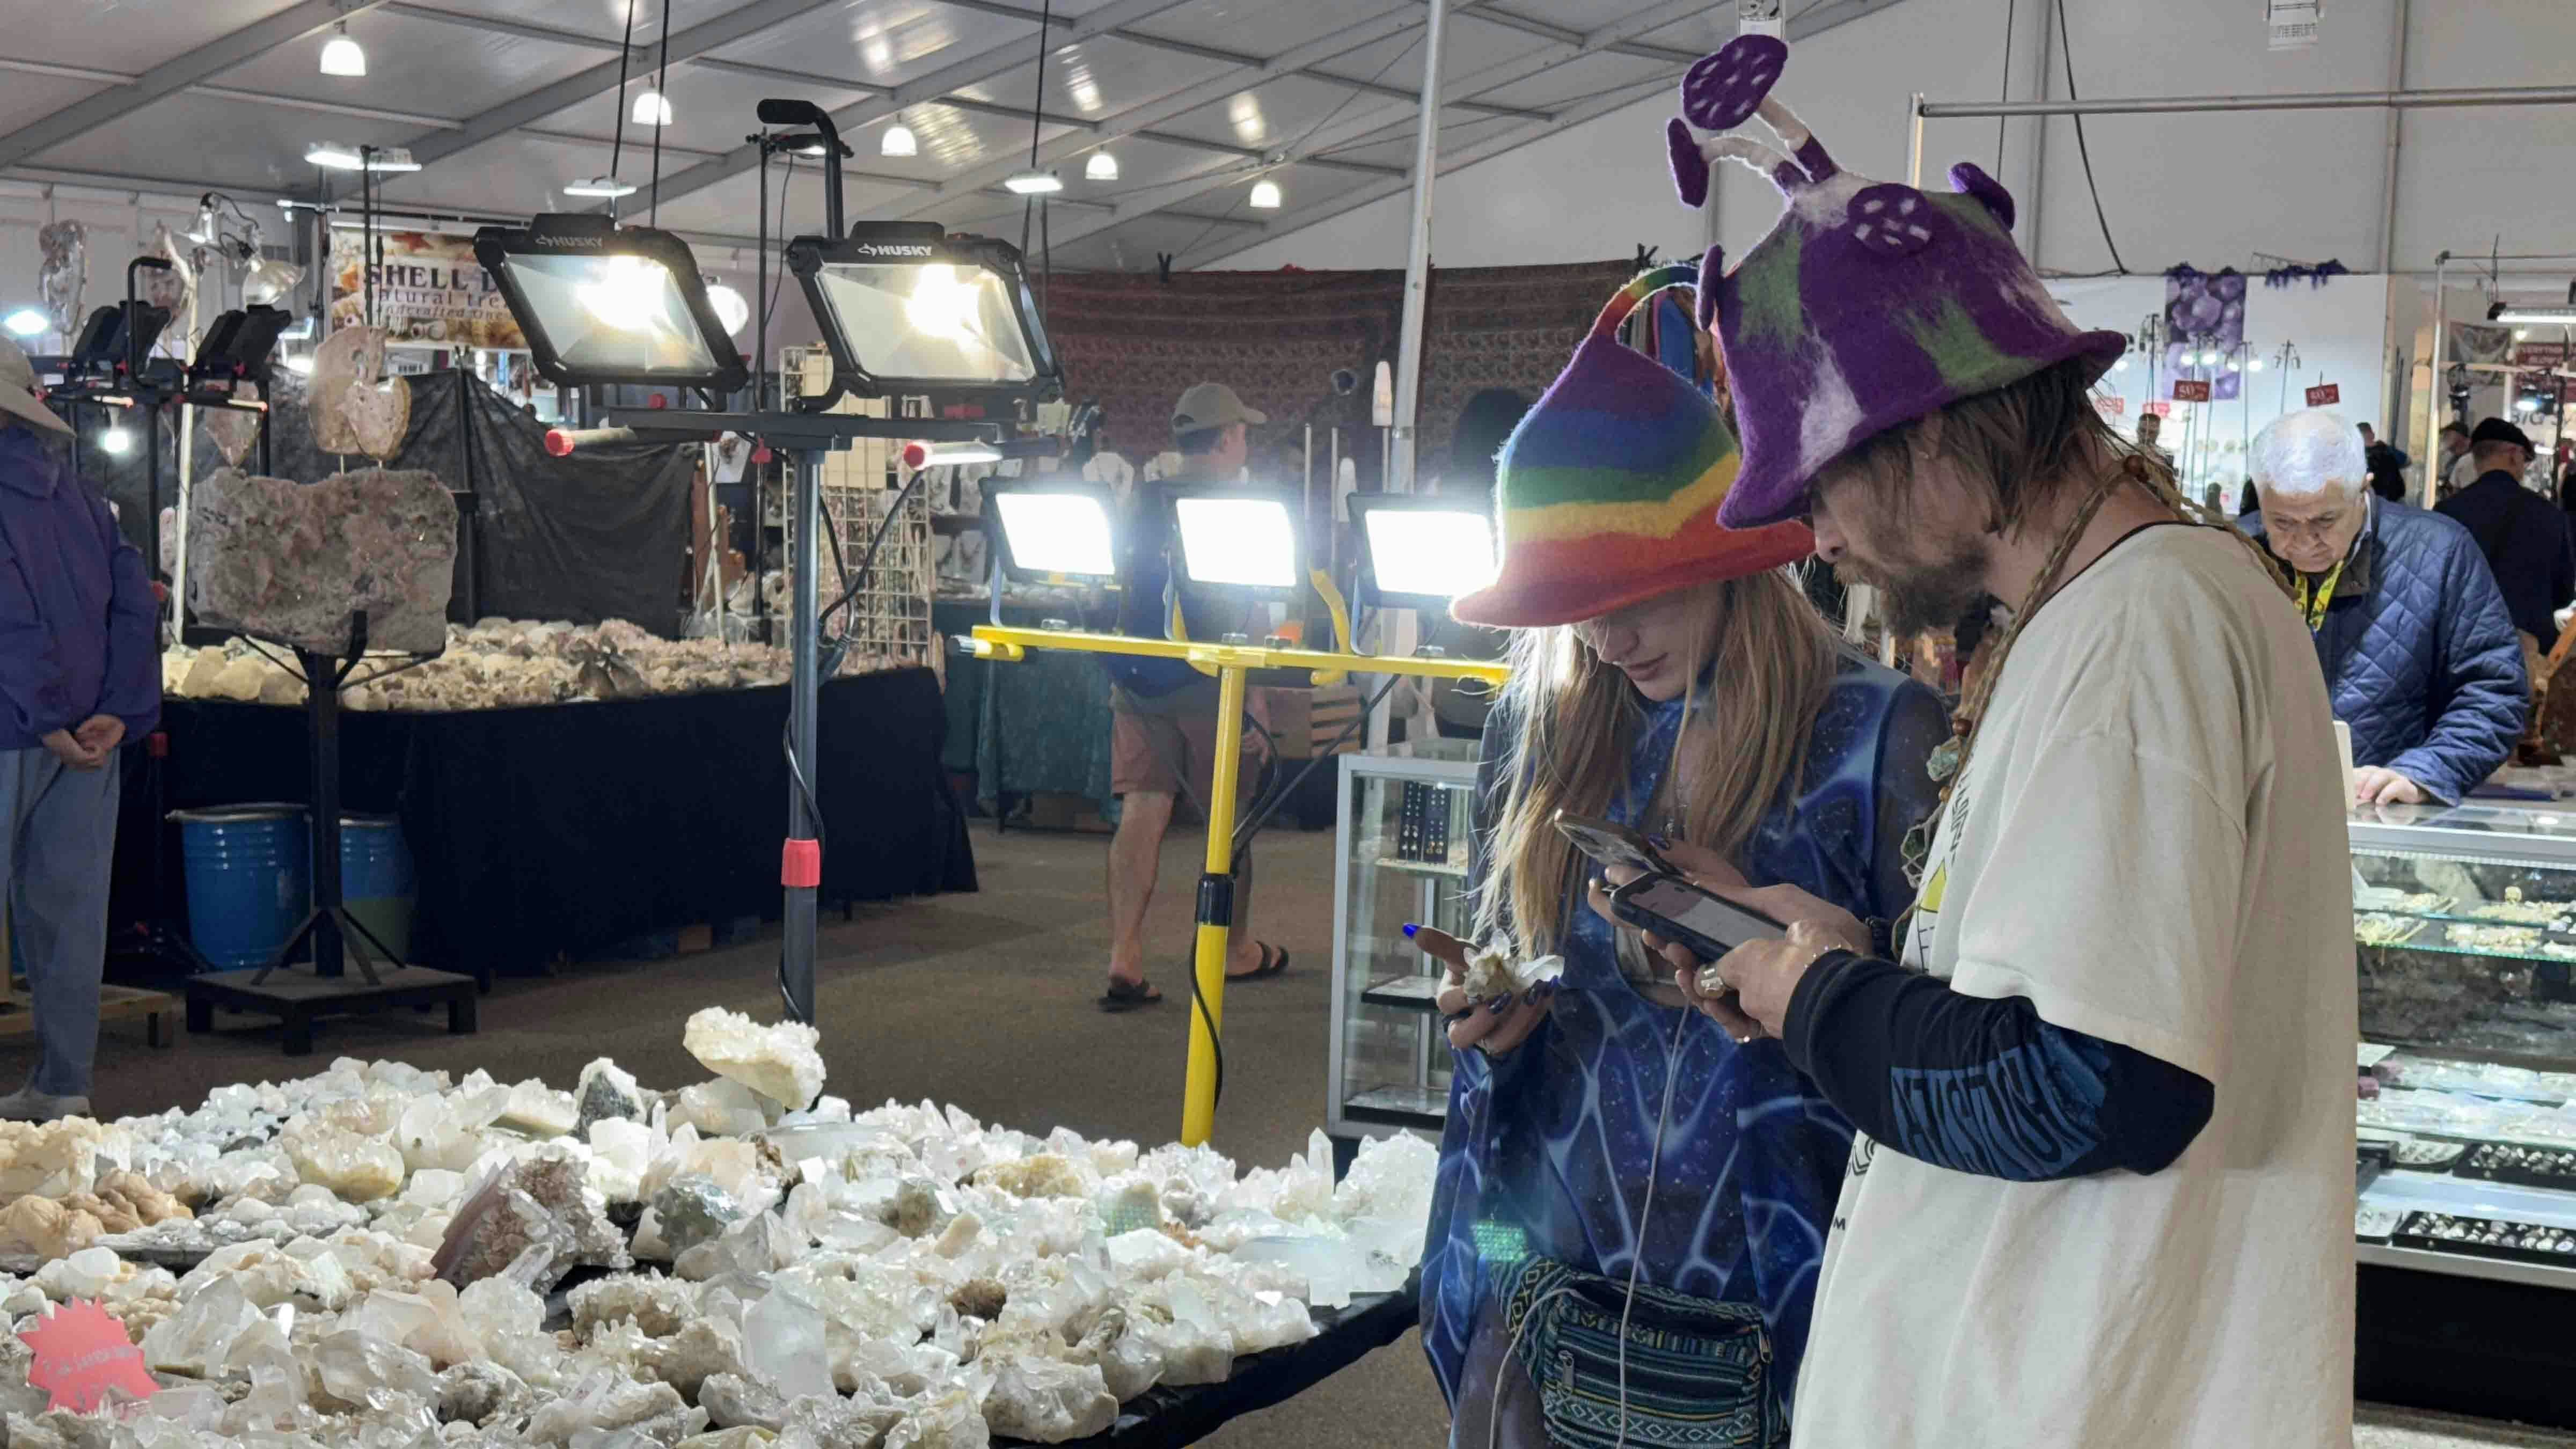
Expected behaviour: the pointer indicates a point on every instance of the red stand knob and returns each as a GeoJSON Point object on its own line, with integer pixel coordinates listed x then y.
{"type": "Point", "coordinates": [800, 865]}
{"type": "Point", "coordinates": [558, 443]}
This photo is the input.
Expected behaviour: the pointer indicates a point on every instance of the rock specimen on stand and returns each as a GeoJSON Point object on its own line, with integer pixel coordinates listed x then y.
{"type": "Point", "coordinates": [291, 562]}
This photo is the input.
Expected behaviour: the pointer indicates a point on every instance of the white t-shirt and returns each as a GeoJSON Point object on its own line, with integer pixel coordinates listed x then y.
{"type": "Point", "coordinates": [2149, 845]}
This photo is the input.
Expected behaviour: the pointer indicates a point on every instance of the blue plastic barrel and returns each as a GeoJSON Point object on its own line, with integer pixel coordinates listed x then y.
{"type": "Point", "coordinates": [249, 872]}
{"type": "Point", "coordinates": [376, 880]}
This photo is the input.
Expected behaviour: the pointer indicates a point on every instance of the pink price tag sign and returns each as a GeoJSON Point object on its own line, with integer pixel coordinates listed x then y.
{"type": "Point", "coordinates": [2325, 395]}
{"type": "Point", "coordinates": [81, 1354]}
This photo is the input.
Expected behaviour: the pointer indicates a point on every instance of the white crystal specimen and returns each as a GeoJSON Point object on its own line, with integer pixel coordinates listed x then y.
{"type": "Point", "coordinates": [1046, 1400]}
{"type": "Point", "coordinates": [783, 1343]}
{"type": "Point", "coordinates": [780, 1062]}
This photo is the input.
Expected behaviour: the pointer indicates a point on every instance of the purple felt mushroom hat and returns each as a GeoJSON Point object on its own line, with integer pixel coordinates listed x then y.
{"type": "Point", "coordinates": [1870, 304]}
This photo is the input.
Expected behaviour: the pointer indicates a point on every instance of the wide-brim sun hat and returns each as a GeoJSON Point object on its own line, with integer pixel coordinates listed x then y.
{"type": "Point", "coordinates": [18, 390]}
{"type": "Point", "coordinates": [1608, 492]}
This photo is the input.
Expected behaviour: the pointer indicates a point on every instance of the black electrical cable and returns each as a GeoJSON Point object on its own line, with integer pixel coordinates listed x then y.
{"type": "Point", "coordinates": [617, 133]}
{"type": "Point", "coordinates": [778, 270]}
{"type": "Point", "coordinates": [661, 106]}
{"type": "Point", "coordinates": [2003, 91]}
{"type": "Point", "coordinates": [2083, 150]}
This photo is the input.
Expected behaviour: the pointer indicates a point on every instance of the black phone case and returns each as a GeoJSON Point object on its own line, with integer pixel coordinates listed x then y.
{"type": "Point", "coordinates": [1624, 906]}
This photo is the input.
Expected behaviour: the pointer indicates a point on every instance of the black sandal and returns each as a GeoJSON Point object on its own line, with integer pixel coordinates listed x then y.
{"type": "Point", "coordinates": [1270, 965]}
{"type": "Point", "coordinates": [1129, 996]}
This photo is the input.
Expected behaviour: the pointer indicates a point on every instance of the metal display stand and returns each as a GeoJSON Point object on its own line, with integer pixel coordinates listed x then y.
{"type": "Point", "coordinates": [807, 438]}
{"type": "Point", "coordinates": [298, 998]}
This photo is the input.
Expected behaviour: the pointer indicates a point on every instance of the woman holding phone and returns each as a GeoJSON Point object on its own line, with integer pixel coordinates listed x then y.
{"type": "Point", "coordinates": [1629, 1200]}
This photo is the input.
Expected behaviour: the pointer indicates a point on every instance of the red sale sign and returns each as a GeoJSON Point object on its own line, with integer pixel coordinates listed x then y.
{"type": "Point", "coordinates": [82, 1355]}
{"type": "Point", "coordinates": [2324, 395]}
{"type": "Point", "coordinates": [2112, 406]}
{"type": "Point", "coordinates": [2189, 389]}
{"type": "Point", "coordinates": [2160, 409]}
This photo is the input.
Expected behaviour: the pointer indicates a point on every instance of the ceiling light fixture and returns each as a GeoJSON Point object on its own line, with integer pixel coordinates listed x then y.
{"type": "Point", "coordinates": [1034, 183]}
{"type": "Point", "coordinates": [600, 186]}
{"type": "Point", "coordinates": [343, 56]}
{"type": "Point", "coordinates": [27, 322]}
{"type": "Point", "coordinates": [1101, 167]}
{"type": "Point", "coordinates": [652, 108]}
{"type": "Point", "coordinates": [332, 156]}
{"type": "Point", "coordinates": [898, 140]}
{"type": "Point", "coordinates": [1266, 196]}
{"type": "Point", "coordinates": [731, 309]}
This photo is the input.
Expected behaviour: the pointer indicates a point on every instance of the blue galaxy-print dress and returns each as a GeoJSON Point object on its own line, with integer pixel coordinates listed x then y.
{"type": "Point", "coordinates": [1547, 1148]}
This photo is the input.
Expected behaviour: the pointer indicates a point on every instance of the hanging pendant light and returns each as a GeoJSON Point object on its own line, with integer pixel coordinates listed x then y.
{"type": "Point", "coordinates": [605, 187]}
{"type": "Point", "coordinates": [1033, 183]}
{"type": "Point", "coordinates": [652, 108]}
{"type": "Point", "coordinates": [1266, 196]}
{"type": "Point", "coordinates": [898, 140]}
{"type": "Point", "coordinates": [343, 56]}
{"type": "Point", "coordinates": [1101, 167]}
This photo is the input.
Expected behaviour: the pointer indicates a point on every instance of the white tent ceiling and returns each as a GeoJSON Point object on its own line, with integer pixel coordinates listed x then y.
{"type": "Point", "coordinates": [506, 100]}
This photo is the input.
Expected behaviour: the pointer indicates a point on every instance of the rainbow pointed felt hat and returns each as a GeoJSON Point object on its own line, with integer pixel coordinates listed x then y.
{"type": "Point", "coordinates": [1607, 494]}
{"type": "Point", "coordinates": [1870, 304]}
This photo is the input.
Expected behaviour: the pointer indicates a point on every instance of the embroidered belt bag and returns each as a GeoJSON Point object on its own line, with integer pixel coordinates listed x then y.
{"type": "Point", "coordinates": [1699, 1372]}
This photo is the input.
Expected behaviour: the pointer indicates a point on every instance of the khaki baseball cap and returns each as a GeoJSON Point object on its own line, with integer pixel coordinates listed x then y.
{"type": "Point", "coordinates": [1211, 405]}
{"type": "Point", "coordinates": [18, 389]}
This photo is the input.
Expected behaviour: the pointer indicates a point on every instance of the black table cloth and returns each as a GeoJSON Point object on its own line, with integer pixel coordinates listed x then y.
{"type": "Point", "coordinates": [565, 830]}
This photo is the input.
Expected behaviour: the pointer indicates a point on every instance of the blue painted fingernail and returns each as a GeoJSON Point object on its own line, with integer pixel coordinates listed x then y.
{"type": "Point", "coordinates": [1535, 994]}
{"type": "Point", "coordinates": [1497, 1005]}
{"type": "Point", "coordinates": [1409, 929]}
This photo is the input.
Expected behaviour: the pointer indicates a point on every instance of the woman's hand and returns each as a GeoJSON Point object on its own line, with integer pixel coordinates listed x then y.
{"type": "Point", "coordinates": [1493, 1027]}
{"type": "Point", "coordinates": [1748, 992]}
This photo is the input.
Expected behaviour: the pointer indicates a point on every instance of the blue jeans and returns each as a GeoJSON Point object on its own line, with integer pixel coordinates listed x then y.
{"type": "Point", "coordinates": [55, 855]}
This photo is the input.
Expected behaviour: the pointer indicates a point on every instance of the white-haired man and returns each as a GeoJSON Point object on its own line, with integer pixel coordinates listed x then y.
{"type": "Point", "coordinates": [2420, 655]}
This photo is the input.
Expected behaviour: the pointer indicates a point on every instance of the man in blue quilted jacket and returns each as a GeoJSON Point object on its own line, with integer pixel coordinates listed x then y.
{"type": "Point", "coordinates": [2420, 657]}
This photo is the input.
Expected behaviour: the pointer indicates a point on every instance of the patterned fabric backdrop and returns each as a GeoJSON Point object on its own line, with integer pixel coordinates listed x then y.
{"type": "Point", "coordinates": [1133, 343]}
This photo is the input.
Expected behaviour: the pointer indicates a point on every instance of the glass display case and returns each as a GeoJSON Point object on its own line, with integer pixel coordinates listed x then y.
{"type": "Point", "coordinates": [2464, 919]}
{"type": "Point", "coordinates": [1402, 846]}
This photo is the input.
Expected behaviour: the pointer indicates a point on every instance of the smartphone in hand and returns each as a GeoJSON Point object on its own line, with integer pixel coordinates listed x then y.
{"type": "Point", "coordinates": [1678, 911]}
{"type": "Point", "coordinates": [1611, 843]}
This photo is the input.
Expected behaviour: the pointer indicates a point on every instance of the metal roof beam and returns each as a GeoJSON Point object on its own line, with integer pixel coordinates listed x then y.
{"type": "Point", "coordinates": [1137, 119]}
{"type": "Point", "coordinates": [1236, 58]}
{"type": "Point", "coordinates": [973, 70]}
{"type": "Point", "coordinates": [545, 101]}
{"type": "Point", "coordinates": [172, 76]}
{"type": "Point", "coordinates": [1362, 128]}
{"type": "Point", "coordinates": [1528, 25]}
{"type": "Point", "coordinates": [1813, 21]}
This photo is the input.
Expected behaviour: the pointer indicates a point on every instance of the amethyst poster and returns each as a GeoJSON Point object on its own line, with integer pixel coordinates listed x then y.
{"type": "Point", "coordinates": [2204, 314]}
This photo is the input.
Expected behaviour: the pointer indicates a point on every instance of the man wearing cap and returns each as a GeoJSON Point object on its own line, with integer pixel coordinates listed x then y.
{"type": "Point", "coordinates": [1163, 711]}
{"type": "Point", "coordinates": [80, 672]}
{"type": "Point", "coordinates": [2523, 534]}
{"type": "Point", "coordinates": [2102, 1191]}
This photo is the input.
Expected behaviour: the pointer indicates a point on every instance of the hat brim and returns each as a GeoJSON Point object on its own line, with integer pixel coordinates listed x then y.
{"type": "Point", "coordinates": [1764, 497]}
{"type": "Point", "coordinates": [1551, 586]}
{"type": "Point", "coordinates": [27, 407]}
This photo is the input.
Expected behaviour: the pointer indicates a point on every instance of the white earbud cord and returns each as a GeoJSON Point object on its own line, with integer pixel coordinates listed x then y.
{"type": "Point", "coordinates": [1636, 1261]}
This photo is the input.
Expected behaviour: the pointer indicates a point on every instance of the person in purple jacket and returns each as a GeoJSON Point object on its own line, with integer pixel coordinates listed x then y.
{"type": "Point", "coordinates": [80, 673]}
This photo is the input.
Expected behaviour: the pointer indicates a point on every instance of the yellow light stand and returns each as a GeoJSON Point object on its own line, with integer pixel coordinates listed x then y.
{"type": "Point", "coordinates": [1232, 662]}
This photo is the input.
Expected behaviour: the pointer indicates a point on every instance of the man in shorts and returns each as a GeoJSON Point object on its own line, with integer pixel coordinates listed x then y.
{"type": "Point", "coordinates": [1163, 739]}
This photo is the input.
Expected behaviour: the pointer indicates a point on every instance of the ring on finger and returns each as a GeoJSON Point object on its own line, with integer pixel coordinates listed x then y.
{"type": "Point", "coordinates": [1711, 982]}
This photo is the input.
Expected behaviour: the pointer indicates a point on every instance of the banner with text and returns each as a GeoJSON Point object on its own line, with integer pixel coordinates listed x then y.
{"type": "Point", "coordinates": [429, 289]}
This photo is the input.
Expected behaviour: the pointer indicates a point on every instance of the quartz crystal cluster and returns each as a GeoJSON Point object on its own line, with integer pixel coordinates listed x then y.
{"type": "Point", "coordinates": [384, 1258]}
{"type": "Point", "coordinates": [500, 664]}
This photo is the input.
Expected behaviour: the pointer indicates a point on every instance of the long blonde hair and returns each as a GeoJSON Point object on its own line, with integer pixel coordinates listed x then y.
{"type": "Point", "coordinates": [1769, 660]}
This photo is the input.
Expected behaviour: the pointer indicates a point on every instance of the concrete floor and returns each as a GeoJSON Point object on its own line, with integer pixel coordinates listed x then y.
{"type": "Point", "coordinates": [984, 1001]}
